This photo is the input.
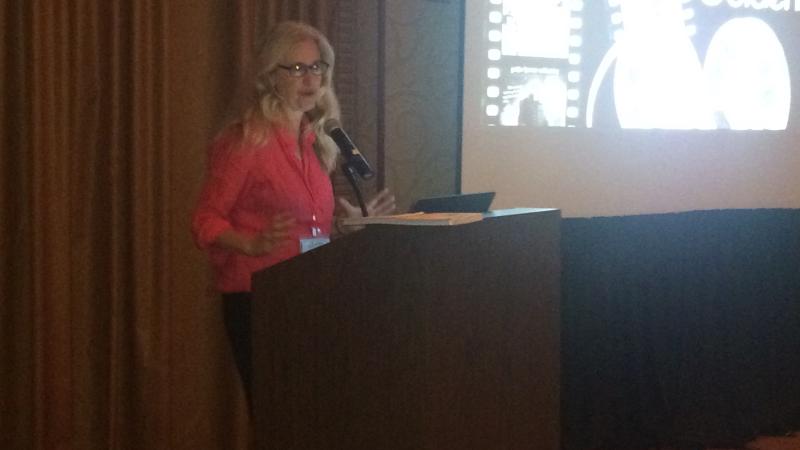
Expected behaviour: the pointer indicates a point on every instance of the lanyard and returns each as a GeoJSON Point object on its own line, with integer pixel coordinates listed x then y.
{"type": "Point", "coordinates": [303, 167]}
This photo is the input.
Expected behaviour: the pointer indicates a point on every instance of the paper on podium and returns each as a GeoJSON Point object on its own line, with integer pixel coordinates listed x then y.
{"type": "Point", "coordinates": [418, 219]}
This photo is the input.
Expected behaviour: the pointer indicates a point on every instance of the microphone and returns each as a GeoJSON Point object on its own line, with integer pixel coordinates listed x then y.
{"type": "Point", "coordinates": [352, 156]}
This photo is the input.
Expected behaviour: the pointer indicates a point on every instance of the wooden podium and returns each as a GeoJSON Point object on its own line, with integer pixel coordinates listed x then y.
{"type": "Point", "coordinates": [413, 337]}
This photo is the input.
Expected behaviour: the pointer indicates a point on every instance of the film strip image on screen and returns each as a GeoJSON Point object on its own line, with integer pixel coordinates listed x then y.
{"type": "Point", "coordinates": [641, 64]}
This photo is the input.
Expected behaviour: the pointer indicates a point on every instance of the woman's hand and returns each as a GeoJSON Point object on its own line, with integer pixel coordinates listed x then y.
{"type": "Point", "coordinates": [276, 234]}
{"type": "Point", "coordinates": [273, 236]}
{"type": "Point", "coordinates": [382, 204]}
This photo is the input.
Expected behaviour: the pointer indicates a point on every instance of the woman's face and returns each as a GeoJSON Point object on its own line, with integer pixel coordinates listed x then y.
{"type": "Point", "coordinates": [300, 89]}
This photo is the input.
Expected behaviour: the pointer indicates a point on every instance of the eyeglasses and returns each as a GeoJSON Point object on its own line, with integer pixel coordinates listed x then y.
{"type": "Point", "coordinates": [298, 70]}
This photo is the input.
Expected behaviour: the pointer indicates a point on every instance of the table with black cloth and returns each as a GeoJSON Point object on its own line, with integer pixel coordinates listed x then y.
{"type": "Point", "coordinates": [680, 329]}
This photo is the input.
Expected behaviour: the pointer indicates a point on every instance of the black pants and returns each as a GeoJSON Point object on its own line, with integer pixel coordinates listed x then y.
{"type": "Point", "coordinates": [236, 311]}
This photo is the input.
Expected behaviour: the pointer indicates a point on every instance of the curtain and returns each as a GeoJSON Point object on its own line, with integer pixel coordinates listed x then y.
{"type": "Point", "coordinates": [84, 171]}
{"type": "Point", "coordinates": [680, 329]}
{"type": "Point", "coordinates": [109, 336]}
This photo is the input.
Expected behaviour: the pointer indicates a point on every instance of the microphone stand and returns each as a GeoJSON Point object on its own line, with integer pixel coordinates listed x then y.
{"type": "Point", "coordinates": [350, 174]}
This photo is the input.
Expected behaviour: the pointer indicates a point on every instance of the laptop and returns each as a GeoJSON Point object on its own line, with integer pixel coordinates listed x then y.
{"type": "Point", "coordinates": [475, 202]}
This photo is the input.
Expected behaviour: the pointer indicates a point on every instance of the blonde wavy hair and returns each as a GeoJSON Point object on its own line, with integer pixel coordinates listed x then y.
{"type": "Point", "coordinates": [267, 108]}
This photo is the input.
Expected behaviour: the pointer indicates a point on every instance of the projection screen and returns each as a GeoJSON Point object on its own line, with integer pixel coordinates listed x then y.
{"type": "Point", "coordinates": [616, 107]}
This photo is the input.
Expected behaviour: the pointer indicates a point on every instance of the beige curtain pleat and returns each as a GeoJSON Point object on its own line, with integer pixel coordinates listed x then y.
{"type": "Point", "coordinates": [16, 309]}
{"type": "Point", "coordinates": [50, 228]}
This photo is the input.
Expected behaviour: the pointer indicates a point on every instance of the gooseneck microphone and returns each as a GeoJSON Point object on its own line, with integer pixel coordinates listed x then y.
{"type": "Point", "coordinates": [352, 156]}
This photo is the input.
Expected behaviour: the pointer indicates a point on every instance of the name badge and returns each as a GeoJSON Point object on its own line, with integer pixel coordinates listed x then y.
{"type": "Point", "coordinates": [308, 244]}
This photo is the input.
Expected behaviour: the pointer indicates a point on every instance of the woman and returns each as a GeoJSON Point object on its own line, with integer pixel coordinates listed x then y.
{"type": "Point", "coordinates": [268, 192]}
